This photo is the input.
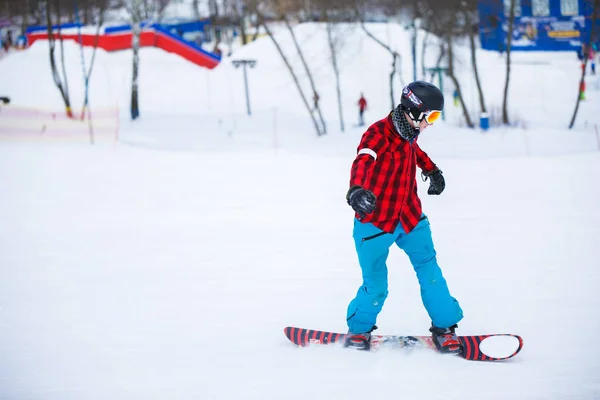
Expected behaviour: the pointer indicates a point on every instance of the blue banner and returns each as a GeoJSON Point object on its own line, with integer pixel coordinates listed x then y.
{"type": "Point", "coordinates": [555, 32]}
{"type": "Point", "coordinates": [546, 33]}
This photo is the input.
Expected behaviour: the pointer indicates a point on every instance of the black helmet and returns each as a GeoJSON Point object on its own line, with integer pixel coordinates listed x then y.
{"type": "Point", "coordinates": [419, 97]}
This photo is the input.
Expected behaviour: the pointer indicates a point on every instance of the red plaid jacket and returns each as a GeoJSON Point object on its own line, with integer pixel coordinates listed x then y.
{"type": "Point", "coordinates": [386, 164]}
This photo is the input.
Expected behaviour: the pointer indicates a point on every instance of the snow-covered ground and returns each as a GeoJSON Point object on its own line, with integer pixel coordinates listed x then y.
{"type": "Point", "coordinates": [167, 266]}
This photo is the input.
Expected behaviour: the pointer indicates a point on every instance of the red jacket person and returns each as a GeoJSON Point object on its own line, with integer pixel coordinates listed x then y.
{"type": "Point", "coordinates": [383, 193]}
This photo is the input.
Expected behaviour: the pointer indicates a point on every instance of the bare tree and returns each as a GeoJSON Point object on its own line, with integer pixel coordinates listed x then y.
{"type": "Point", "coordinates": [509, 35]}
{"type": "Point", "coordinates": [472, 28]}
{"type": "Point", "coordinates": [585, 61]}
{"type": "Point", "coordinates": [449, 23]}
{"type": "Point", "coordinates": [61, 83]}
{"type": "Point", "coordinates": [259, 23]}
{"type": "Point", "coordinates": [252, 9]}
{"type": "Point", "coordinates": [332, 12]}
{"type": "Point", "coordinates": [214, 8]}
{"type": "Point", "coordinates": [87, 74]}
{"type": "Point", "coordinates": [136, 14]}
{"type": "Point", "coordinates": [294, 76]}
{"type": "Point", "coordinates": [308, 73]}
{"type": "Point", "coordinates": [26, 5]}
{"type": "Point", "coordinates": [451, 74]}
{"type": "Point", "coordinates": [240, 14]}
{"type": "Point", "coordinates": [138, 9]}
{"type": "Point", "coordinates": [195, 9]}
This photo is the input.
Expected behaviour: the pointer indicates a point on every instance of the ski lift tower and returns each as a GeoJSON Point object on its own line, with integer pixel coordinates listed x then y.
{"type": "Point", "coordinates": [243, 63]}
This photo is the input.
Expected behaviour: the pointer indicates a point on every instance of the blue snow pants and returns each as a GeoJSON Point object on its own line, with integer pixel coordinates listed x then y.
{"type": "Point", "coordinates": [372, 246]}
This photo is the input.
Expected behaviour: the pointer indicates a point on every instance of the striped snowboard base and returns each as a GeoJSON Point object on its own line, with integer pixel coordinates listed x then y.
{"type": "Point", "coordinates": [471, 344]}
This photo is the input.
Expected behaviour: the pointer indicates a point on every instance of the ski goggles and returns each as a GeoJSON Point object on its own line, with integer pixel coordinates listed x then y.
{"type": "Point", "coordinates": [431, 116]}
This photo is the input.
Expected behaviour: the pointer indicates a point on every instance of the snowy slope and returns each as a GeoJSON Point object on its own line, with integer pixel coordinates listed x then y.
{"type": "Point", "coordinates": [167, 267]}
{"type": "Point", "coordinates": [148, 274]}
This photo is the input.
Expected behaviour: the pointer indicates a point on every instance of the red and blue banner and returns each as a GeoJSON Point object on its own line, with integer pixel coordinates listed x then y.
{"type": "Point", "coordinates": [120, 38]}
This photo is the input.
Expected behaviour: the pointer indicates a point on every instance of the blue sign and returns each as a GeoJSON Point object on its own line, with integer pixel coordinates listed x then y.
{"type": "Point", "coordinates": [546, 33]}
{"type": "Point", "coordinates": [554, 32]}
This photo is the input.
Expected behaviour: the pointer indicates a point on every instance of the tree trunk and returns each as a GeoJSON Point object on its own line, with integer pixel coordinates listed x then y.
{"type": "Point", "coordinates": [146, 10]}
{"type": "Point", "coordinates": [135, 108]}
{"type": "Point", "coordinates": [413, 49]}
{"type": "Point", "coordinates": [259, 21]}
{"type": "Point", "coordinates": [308, 73]}
{"type": "Point", "coordinates": [289, 67]}
{"type": "Point", "coordinates": [88, 74]}
{"type": "Point", "coordinates": [474, 63]}
{"type": "Point", "coordinates": [214, 8]}
{"type": "Point", "coordinates": [8, 10]}
{"type": "Point", "coordinates": [88, 13]}
{"type": "Point", "coordinates": [336, 71]}
{"type": "Point", "coordinates": [63, 88]}
{"type": "Point", "coordinates": [136, 20]}
{"type": "Point", "coordinates": [242, 26]}
{"type": "Point", "coordinates": [509, 34]}
{"type": "Point", "coordinates": [241, 21]}
{"type": "Point", "coordinates": [195, 9]}
{"type": "Point", "coordinates": [35, 9]}
{"type": "Point", "coordinates": [585, 61]}
{"type": "Point", "coordinates": [62, 61]}
{"type": "Point", "coordinates": [25, 15]}
{"type": "Point", "coordinates": [456, 83]}
{"type": "Point", "coordinates": [423, 51]}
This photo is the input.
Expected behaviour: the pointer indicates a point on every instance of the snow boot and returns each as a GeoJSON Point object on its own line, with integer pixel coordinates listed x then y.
{"type": "Point", "coordinates": [446, 340]}
{"type": "Point", "coordinates": [359, 341]}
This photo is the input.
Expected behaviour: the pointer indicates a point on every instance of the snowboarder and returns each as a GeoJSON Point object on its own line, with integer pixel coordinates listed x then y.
{"type": "Point", "coordinates": [383, 193]}
{"type": "Point", "coordinates": [362, 106]}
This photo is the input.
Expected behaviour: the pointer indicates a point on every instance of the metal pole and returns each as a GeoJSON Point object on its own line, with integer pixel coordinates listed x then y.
{"type": "Point", "coordinates": [246, 85]}
{"type": "Point", "coordinates": [244, 63]}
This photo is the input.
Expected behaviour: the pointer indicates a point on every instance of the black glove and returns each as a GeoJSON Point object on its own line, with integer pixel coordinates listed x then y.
{"type": "Point", "coordinates": [436, 183]}
{"type": "Point", "coordinates": [361, 200]}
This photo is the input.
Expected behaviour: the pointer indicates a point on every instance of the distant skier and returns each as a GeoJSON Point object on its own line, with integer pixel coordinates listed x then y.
{"type": "Point", "coordinates": [383, 193]}
{"type": "Point", "coordinates": [362, 106]}
{"type": "Point", "coordinates": [590, 54]}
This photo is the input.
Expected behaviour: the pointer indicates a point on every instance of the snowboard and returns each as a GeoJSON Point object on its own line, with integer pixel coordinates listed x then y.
{"type": "Point", "coordinates": [470, 344]}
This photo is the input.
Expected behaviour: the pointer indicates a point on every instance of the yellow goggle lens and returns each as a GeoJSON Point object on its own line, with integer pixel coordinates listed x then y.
{"type": "Point", "coordinates": [432, 116]}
